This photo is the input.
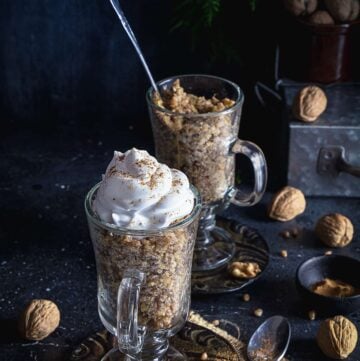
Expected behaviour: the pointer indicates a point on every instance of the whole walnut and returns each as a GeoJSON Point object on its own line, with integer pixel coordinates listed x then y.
{"type": "Point", "coordinates": [335, 230]}
{"type": "Point", "coordinates": [309, 103]}
{"type": "Point", "coordinates": [39, 319]}
{"type": "Point", "coordinates": [301, 7]}
{"type": "Point", "coordinates": [337, 337]}
{"type": "Point", "coordinates": [286, 204]}
{"type": "Point", "coordinates": [343, 10]}
{"type": "Point", "coordinates": [321, 17]}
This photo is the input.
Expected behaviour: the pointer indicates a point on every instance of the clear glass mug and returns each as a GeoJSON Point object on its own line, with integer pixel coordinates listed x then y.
{"type": "Point", "coordinates": [204, 147]}
{"type": "Point", "coordinates": [143, 283]}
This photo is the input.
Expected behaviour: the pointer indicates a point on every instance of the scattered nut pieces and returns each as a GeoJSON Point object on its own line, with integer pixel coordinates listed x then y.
{"type": "Point", "coordinates": [300, 7]}
{"type": "Point", "coordinates": [328, 253]}
{"type": "Point", "coordinates": [343, 10]}
{"type": "Point", "coordinates": [309, 103]}
{"type": "Point", "coordinates": [258, 312]}
{"type": "Point", "coordinates": [321, 17]}
{"type": "Point", "coordinates": [295, 232]}
{"type": "Point", "coordinates": [204, 356]}
{"type": "Point", "coordinates": [244, 269]}
{"type": "Point", "coordinates": [286, 204]}
{"type": "Point", "coordinates": [246, 297]}
{"type": "Point", "coordinates": [39, 319]}
{"type": "Point", "coordinates": [335, 230]}
{"type": "Point", "coordinates": [284, 253]}
{"type": "Point", "coordinates": [312, 315]}
{"type": "Point", "coordinates": [216, 322]}
{"type": "Point", "coordinates": [337, 337]}
{"type": "Point", "coordinates": [285, 234]}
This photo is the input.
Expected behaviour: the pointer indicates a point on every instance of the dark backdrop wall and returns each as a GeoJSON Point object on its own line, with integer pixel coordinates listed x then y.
{"type": "Point", "coordinates": [67, 67]}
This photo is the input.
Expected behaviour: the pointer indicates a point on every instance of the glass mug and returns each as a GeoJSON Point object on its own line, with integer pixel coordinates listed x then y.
{"type": "Point", "coordinates": [143, 283]}
{"type": "Point", "coordinates": [204, 147]}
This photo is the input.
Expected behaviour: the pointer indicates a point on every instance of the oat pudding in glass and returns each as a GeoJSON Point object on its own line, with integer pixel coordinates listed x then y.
{"type": "Point", "coordinates": [143, 220]}
{"type": "Point", "coordinates": [195, 122]}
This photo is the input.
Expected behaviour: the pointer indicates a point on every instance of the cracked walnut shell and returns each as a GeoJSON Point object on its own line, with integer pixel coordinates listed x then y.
{"type": "Point", "coordinates": [39, 319]}
{"type": "Point", "coordinates": [286, 204]}
{"type": "Point", "coordinates": [335, 230]}
{"type": "Point", "coordinates": [343, 10]}
{"type": "Point", "coordinates": [337, 337]}
{"type": "Point", "coordinates": [300, 7]}
{"type": "Point", "coordinates": [309, 103]}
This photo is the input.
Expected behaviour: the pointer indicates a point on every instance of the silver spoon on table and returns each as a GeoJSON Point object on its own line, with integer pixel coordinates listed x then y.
{"type": "Point", "coordinates": [270, 341]}
{"type": "Point", "coordinates": [116, 5]}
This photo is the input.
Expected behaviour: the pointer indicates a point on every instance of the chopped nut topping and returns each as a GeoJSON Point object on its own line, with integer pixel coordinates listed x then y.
{"type": "Point", "coordinates": [204, 356]}
{"type": "Point", "coordinates": [328, 253]}
{"type": "Point", "coordinates": [246, 297]}
{"type": "Point", "coordinates": [195, 143]}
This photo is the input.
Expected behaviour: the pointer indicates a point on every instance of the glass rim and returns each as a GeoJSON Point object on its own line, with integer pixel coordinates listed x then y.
{"type": "Point", "coordinates": [91, 214]}
{"type": "Point", "coordinates": [238, 101]}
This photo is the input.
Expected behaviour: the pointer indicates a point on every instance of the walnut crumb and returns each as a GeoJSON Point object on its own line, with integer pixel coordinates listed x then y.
{"type": "Point", "coordinates": [204, 356]}
{"type": "Point", "coordinates": [258, 312]}
{"type": "Point", "coordinates": [312, 315]}
{"type": "Point", "coordinates": [284, 253]}
{"type": "Point", "coordinates": [285, 234]}
{"type": "Point", "coordinates": [246, 297]}
{"type": "Point", "coordinates": [244, 269]}
{"type": "Point", "coordinates": [328, 253]}
{"type": "Point", "coordinates": [295, 232]}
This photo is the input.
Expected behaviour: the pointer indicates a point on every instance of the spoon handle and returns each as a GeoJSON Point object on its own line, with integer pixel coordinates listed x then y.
{"type": "Point", "coordinates": [116, 5]}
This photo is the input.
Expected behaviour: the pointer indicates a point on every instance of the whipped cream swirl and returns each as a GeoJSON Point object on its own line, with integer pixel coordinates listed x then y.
{"type": "Point", "coordinates": [138, 192]}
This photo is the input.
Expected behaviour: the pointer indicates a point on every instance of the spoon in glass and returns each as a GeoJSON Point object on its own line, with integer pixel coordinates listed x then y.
{"type": "Point", "coordinates": [116, 5]}
{"type": "Point", "coordinates": [270, 341]}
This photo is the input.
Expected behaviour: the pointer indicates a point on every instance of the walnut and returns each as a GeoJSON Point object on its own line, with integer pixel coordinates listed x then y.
{"type": "Point", "coordinates": [321, 17]}
{"type": "Point", "coordinates": [343, 10]}
{"type": "Point", "coordinates": [300, 7]}
{"type": "Point", "coordinates": [39, 319]}
{"type": "Point", "coordinates": [335, 230]}
{"type": "Point", "coordinates": [309, 103]}
{"type": "Point", "coordinates": [337, 337]}
{"type": "Point", "coordinates": [286, 204]}
{"type": "Point", "coordinates": [244, 269]}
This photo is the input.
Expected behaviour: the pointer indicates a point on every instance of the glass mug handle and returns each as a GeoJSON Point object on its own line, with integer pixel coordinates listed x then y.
{"type": "Point", "coordinates": [130, 335]}
{"type": "Point", "coordinates": [257, 158]}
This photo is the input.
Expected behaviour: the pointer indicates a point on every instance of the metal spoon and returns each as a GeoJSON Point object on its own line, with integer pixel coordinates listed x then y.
{"type": "Point", "coordinates": [270, 341]}
{"type": "Point", "coordinates": [116, 5]}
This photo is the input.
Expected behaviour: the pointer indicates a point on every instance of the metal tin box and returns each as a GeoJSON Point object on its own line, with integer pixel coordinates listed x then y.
{"type": "Point", "coordinates": [324, 156]}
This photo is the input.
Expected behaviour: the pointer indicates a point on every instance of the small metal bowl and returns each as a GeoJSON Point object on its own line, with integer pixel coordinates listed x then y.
{"type": "Point", "coordinates": [336, 267]}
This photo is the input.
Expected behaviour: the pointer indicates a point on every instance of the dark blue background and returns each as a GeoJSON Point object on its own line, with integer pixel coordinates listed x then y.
{"type": "Point", "coordinates": [69, 62]}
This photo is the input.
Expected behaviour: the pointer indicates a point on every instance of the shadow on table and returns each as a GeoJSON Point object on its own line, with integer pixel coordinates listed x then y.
{"type": "Point", "coordinates": [305, 349]}
{"type": "Point", "coordinates": [8, 331]}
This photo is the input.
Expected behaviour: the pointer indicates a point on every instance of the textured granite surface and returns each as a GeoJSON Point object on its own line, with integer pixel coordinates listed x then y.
{"type": "Point", "coordinates": [45, 250]}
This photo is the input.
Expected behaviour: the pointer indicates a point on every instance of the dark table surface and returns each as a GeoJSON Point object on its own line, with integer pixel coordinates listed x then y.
{"type": "Point", "coordinates": [45, 250]}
